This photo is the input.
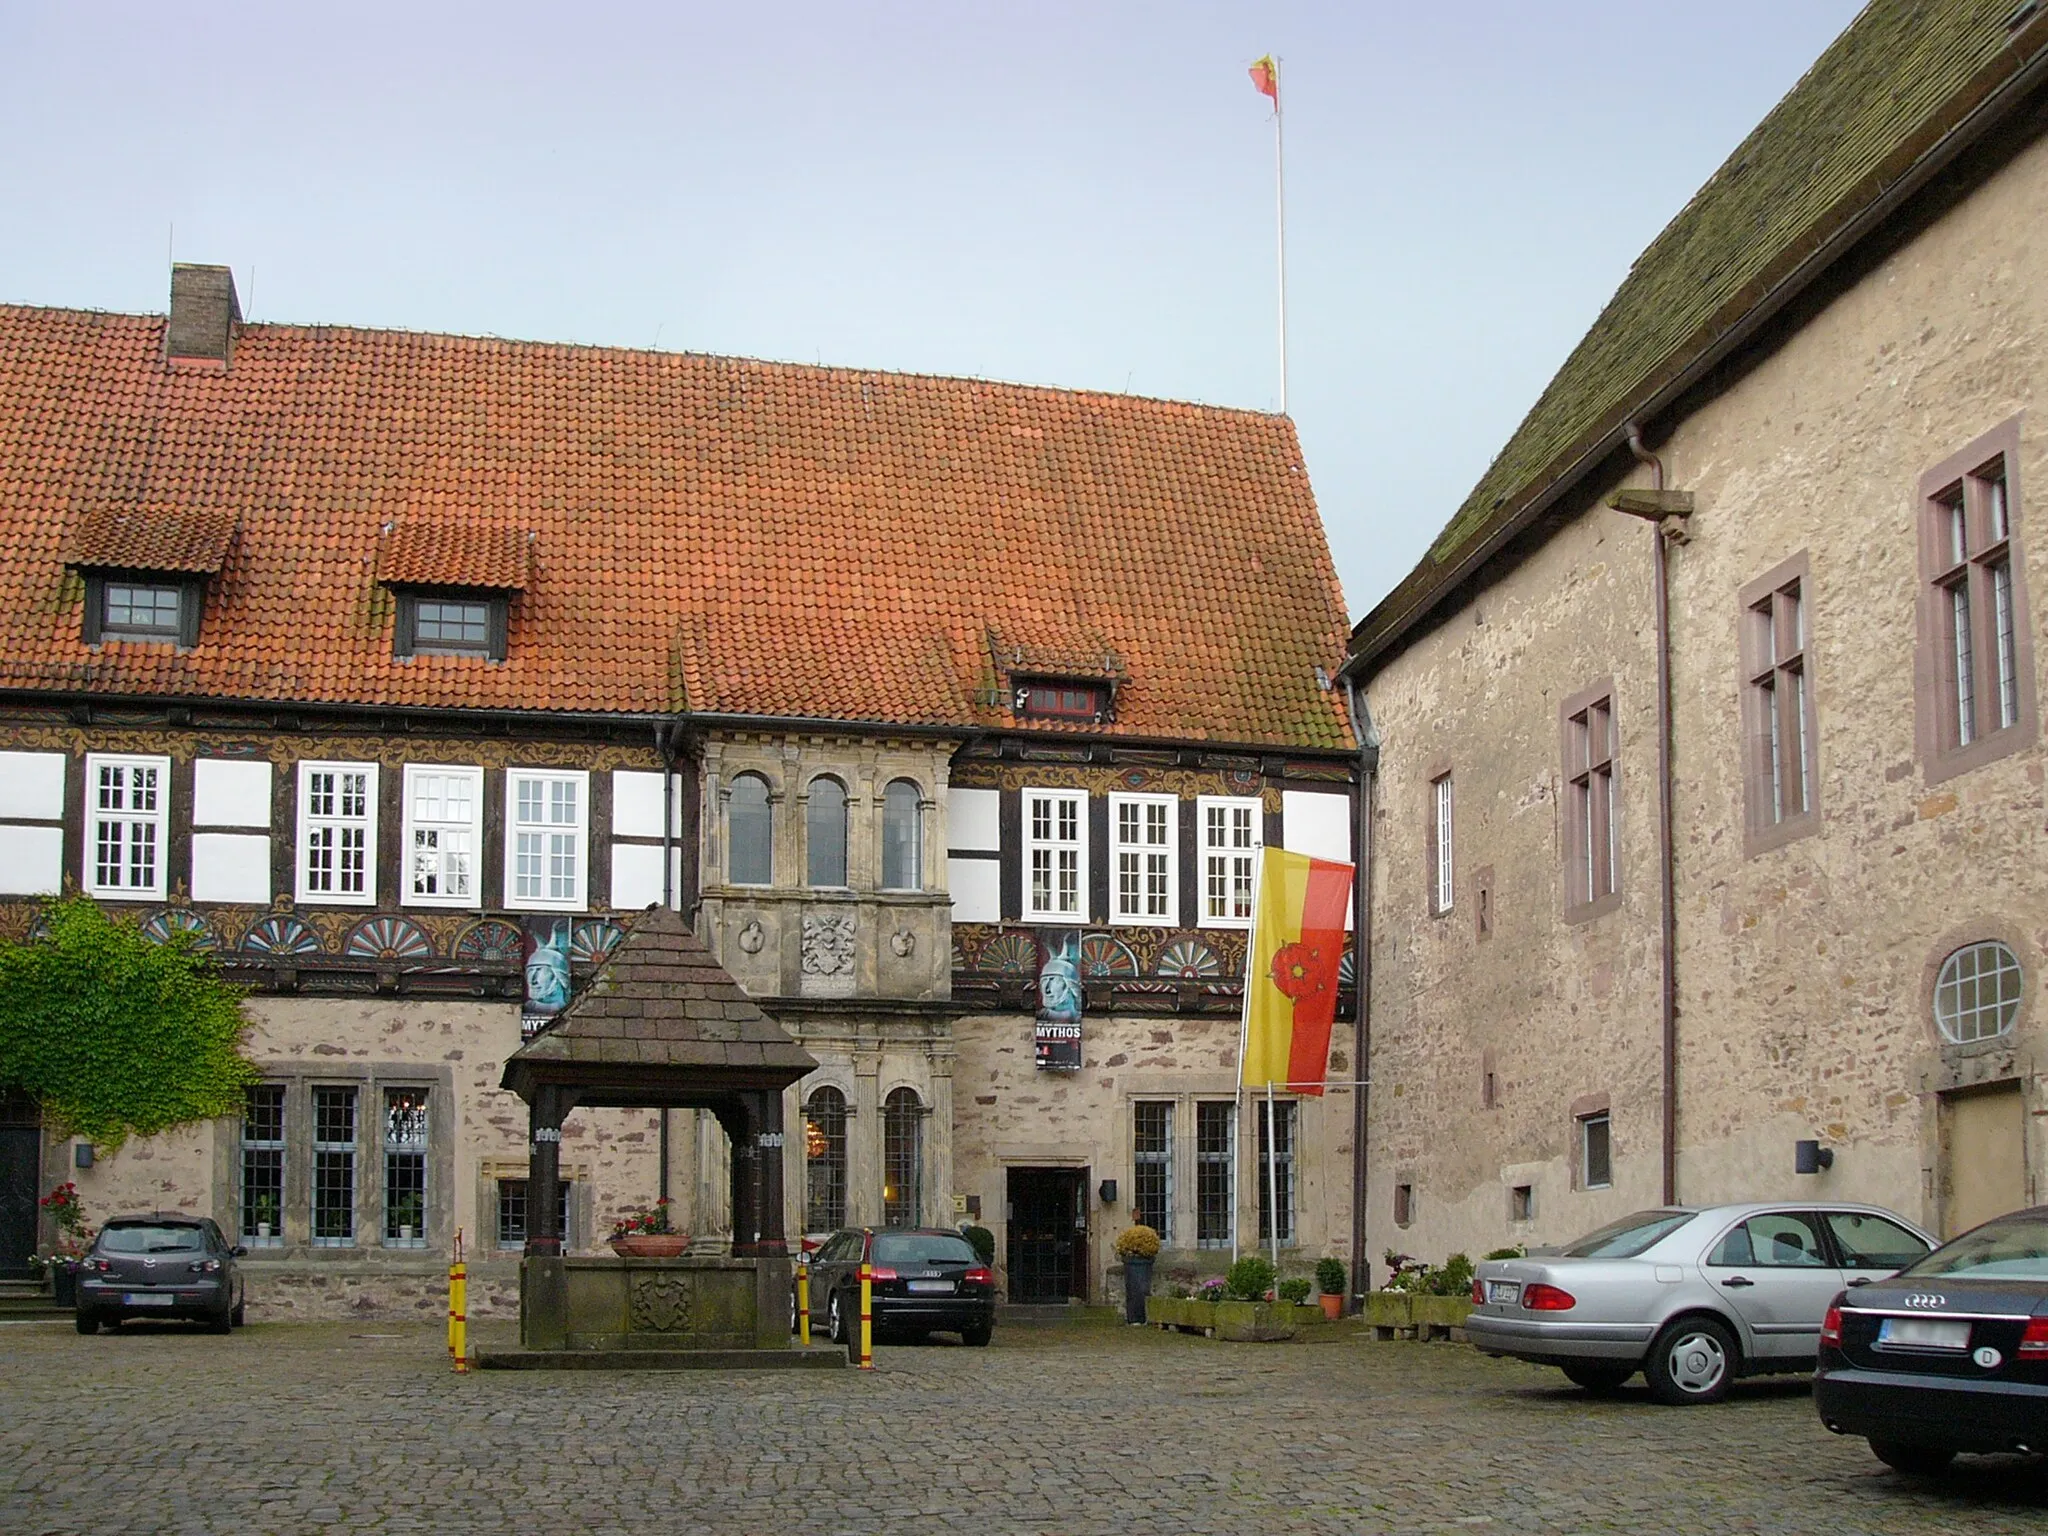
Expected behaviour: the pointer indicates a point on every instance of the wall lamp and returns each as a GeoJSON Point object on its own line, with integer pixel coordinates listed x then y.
{"type": "Point", "coordinates": [1811, 1157]}
{"type": "Point", "coordinates": [1107, 1190]}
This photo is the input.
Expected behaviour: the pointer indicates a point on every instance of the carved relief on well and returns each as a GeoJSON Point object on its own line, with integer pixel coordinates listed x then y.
{"type": "Point", "coordinates": [659, 1302]}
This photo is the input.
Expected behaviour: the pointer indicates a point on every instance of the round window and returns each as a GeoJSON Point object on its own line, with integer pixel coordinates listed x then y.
{"type": "Point", "coordinates": [1977, 994]}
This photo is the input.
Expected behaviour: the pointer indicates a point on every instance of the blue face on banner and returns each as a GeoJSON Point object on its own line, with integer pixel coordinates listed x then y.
{"type": "Point", "coordinates": [1059, 981]}
{"type": "Point", "coordinates": [547, 972]}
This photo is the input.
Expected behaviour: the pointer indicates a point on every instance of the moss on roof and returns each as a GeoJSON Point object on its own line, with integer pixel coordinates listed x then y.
{"type": "Point", "coordinates": [1901, 74]}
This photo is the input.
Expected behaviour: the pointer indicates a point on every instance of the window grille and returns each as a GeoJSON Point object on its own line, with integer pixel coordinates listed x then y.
{"type": "Point", "coordinates": [749, 833]}
{"type": "Point", "coordinates": [825, 1161]}
{"type": "Point", "coordinates": [902, 836]}
{"type": "Point", "coordinates": [902, 1159]}
{"type": "Point", "coordinates": [131, 608]}
{"type": "Point", "coordinates": [337, 832]}
{"type": "Point", "coordinates": [405, 1167]}
{"type": "Point", "coordinates": [1232, 830]}
{"type": "Point", "coordinates": [545, 844]}
{"type": "Point", "coordinates": [334, 1167]}
{"type": "Point", "coordinates": [442, 624]}
{"type": "Point", "coordinates": [1974, 631]}
{"type": "Point", "coordinates": [1441, 852]}
{"type": "Point", "coordinates": [1977, 993]}
{"type": "Point", "coordinates": [1056, 854]}
{"type": "Point", "coordinates": [825, 834]}
{"type": "Point", "coordinates": [444, 827]}
{"type": "Point", "coordinates": [1145, 844]}
{"type": "Point", "coordinates": [1152, 1160]}
{"type": "Point", "coordinates": [1282, 1167]}
{"type": "Point", "coordinates": [1215, 1147]}
{"type": "Point", "coordinates": [512, 1212]}
{"type": "Point", "coordinates": [130, 799]}
{"type": "Point", "coordinates": [262, 1200]}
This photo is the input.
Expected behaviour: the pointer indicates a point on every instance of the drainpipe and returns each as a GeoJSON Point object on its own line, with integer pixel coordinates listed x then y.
{"type": "Point", "coordinates": [665, 747]}
{"type": "Point", "coordinates": [1658, 507]}
{"type": "Point", "coordinates": [1367, 735]}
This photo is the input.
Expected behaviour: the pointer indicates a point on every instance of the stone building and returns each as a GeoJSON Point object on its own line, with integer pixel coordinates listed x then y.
{"type": "Point", "coordinates": [403, 670]}
{"type": "Point", "coordinates": [1660, 893]}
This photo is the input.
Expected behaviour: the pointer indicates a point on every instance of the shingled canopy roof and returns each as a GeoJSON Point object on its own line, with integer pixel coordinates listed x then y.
{"type": "Point", "coordinates": [1893, 97]}
{"type": "Point", "coordinates": [661, 1024]}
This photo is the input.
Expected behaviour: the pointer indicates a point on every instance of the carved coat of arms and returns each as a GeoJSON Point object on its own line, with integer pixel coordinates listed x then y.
{"type": "Point", "coordinates": [828, 945]}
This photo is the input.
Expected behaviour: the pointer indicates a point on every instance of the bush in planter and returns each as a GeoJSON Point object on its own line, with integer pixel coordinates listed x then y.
{"type": "Point", "coordinates": [1294, 1292]}
{"type": "Point", "coordinates": [1137, 1242]}
{"type": "Point", "coordinates": [1330, 1276]}
{"type": "Point", "coordinates": [982, 1241]}
{"type": "Point", "coordinates": [1454, 1279]}
{"type": "Point", "coordinates": [1250, 1278]}
{"type": "Point", "coordinates": [1515, 1252]}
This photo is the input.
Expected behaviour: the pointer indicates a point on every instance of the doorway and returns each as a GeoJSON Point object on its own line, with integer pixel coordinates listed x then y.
{"type": "Point", "coordinates": [1048, 1232]}
{"type": "Point", "coordinates": [1983, 1156]}
{"type": "Point", "coordinates": [21, 1177]}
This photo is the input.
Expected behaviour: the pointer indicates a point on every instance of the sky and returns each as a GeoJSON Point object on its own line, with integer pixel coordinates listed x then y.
{"type": "Point", "coordinates": [1072, 192]}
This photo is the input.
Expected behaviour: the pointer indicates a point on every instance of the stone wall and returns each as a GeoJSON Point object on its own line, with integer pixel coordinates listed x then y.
{"type": "Point", "coordinates": [1805, 970]}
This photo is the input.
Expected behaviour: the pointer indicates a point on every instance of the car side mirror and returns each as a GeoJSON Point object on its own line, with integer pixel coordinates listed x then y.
{"type": "Point", "coordinates": [238, 1252]}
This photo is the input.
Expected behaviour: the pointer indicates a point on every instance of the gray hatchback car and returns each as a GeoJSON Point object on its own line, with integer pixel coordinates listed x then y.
{"type": "Point", "coordinates": [1691, 1298]}
{"type": "Point", "coordinates": [160, 1266]}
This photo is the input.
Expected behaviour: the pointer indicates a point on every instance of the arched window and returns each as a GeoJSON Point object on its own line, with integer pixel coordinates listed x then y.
{"type": "Point", "coordinates": [749, 833]}
{"type": "Point", "coordinates": [902, 1159]}
{"type": "Point", "coordinates": [902, 837]}
{"type": "Point", "coordinates": [825, 833]}
{"type": "Point", "coordinates": [825, 1161]}
{"type": "Point", "coordinates": [1977, 994]}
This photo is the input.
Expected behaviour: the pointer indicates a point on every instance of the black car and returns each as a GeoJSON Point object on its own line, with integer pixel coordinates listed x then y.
{"type": "Point", "coordinates": [925, 1279]}
{"type": "Point", "coordinates": [160, 1266]}
{"type": "Point", "coordinates": [1950, 1354]}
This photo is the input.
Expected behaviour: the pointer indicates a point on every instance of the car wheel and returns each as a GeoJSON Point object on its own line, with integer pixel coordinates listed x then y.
{"type": "Point", "coordinates": [88, 1322]}
{"type": "Point", "coordinates": [1915, 1460]}
{"type": "Point", "coordinates": [239, 1316]}
{"type": "Point", "coordinates": [835, 1320]}
{"type": "Point", "coordinates": [222, 1321]}
{"type": "Point", "coordinates": [1599, 1379]}
{"type": "Point", "coordinates": [976, 1337]}
{"type": "Point", "coordinates": [1692, 1361]}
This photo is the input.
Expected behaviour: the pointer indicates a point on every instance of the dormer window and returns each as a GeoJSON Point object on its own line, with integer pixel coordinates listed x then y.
{"type": "Point", "coordinates": [454, 585]}
{"type": "Point", "coordinates": [1059, 699]}
{"type": "Point", "coordinates": [141, 608]}
{"type": "Point", "coordinates": [146, 570]}
{"type": "Point", "coordinates": [441, 625]}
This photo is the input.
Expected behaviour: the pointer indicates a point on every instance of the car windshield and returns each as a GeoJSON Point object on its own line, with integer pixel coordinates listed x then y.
{"type": "Point", "coordinates": [2014, 1249]}
{"type": "Point", "coordinates": [922, 1248]}
{"type": "Point", "coordinates": [152, 1240]}
{"type": "Point", "coordinates": [1626, 1238]}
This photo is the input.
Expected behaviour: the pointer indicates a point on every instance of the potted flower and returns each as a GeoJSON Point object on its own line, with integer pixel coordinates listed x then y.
{"type": "Point", "coordinates": [1137, 1246]}
{"type": "Point", "coordinates": [74, 1238]}
{"type": "Point", "coordinates": [646, 1234]}
{"type": "Point", "coordinates": [1330, 1283]}
{"type": "Point", "coordinates": [405, 1215]}
{"type": "Point", "coordinates": [264, 1209]}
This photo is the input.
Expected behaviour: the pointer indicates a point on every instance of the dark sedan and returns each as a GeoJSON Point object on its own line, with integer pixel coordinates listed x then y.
{"type": "Point", "coordinates": [1950, 1354]}
{"type": "Point", "coordinates": [926, 1279]}
{"type": "Point", "coordinates": [160, 1266]}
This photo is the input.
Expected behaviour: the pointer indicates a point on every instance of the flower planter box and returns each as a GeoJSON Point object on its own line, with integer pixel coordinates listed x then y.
{"type": "Point", "coordinates": [1436, 1316]}
{"type": "Point", "coordinates": [1241, 1322]}
{"type": "Point", "coordinates": [1402, 1314]}
{"type": "Point", "coordinates": [1389, 1313]}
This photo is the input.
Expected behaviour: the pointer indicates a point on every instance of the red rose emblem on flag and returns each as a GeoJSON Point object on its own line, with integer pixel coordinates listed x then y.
{"type": "Point", "coordinates": [1299, 970]}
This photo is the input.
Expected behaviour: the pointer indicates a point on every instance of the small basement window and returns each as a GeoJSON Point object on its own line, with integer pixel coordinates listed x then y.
{"type": "Point", "coordinates": [1057, 699]}
{"type": "Point", "coordinates": [442, 624]}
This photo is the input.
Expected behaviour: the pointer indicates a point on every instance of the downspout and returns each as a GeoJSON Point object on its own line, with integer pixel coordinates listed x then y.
{"type": "Point", "coordinates": [665, 746]}
{"type": "Point", "coordinates": [1660, 580]}
{"type": "Point", "coordinates": [1367, 735]}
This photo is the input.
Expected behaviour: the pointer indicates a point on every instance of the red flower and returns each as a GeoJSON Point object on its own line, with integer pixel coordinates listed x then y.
{"type": "Point", "coordinates": [1299, 971]}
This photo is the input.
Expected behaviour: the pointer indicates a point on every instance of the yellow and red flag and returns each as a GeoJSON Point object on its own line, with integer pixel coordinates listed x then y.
{"type": "Point", "coordinates": [1290, 986]}
{"type": "Point", "coordinates": [1266, 76]}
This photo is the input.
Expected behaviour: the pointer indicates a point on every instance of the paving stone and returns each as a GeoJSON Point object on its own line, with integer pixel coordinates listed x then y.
{"type": "Point", "coordinates": [289, 1427]}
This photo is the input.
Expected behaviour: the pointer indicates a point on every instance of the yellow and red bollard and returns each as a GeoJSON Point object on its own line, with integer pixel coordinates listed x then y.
{"type": "Point", "coordinates": [866, 1359]}
{"type": "Point", "coordinates": [803, 1300]}
{"type": "Point", "coordinates": [458, 1309]}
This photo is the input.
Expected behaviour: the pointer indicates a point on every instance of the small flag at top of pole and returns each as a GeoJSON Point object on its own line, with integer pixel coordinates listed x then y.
{"type": "Point", "coordinates": [1266, 76]}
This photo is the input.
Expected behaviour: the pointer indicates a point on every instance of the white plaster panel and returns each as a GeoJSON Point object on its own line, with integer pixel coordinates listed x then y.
{"type": "Point", "coordinates": [32, 785]}
{"type": "Point", "coordinates": [31, 860]}
{"type": "Point", "coordinates": [230, 867]}
{"type": "Point", "coordinates": [230, 793]}
{"type": "Point", "coordinates": [974, 821]}
{"type": "Point", "coordinates": [636, 874]}
{"type": "Point", "coordinates": [636, 805]}
{"type": "Point", "coordinates": [977, 889]}
{"type": "Point", "coordinates": [1317, 825]}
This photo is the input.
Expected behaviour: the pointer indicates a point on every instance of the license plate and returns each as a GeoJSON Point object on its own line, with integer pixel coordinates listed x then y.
{"type": "Point", "coordinates": [1923, 1333]}
{"type": "Point", "coordinates": [1503, 1293]}
{"type": "Point", "coordinates": [932, 1287]}
{"type": "Point", "coordinates": [145, 1299]}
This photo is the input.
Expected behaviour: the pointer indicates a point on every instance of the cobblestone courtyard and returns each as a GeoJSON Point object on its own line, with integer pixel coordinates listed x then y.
{"type": "Point", "coordinates": [363, 1428]}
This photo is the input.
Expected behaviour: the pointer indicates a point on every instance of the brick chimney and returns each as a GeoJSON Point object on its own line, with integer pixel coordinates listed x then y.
{"type": "Point", "coordinates": [205, 314]}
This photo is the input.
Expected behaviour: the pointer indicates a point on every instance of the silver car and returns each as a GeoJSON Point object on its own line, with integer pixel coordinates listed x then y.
{"type": "Point", "coordinates": [1691, 1298]}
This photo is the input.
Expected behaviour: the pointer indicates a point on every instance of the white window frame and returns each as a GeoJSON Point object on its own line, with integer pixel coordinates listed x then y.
{"type": "Point", "coordinates": [577, 832]}
{"type": "Point", "coordinates": [1144, 853]}
{"type": "Point", "coordinates": [1053, 847]}
{"type": "Point", "coordinates": [309, 823]}
{"type": "Point", "coordinates": [408, 894]}
{"type": "Point", "coordinates": [1226, 855]}
{"type": "Point", "coordinates": [1445, 872]}
{"type": "Point", "coordinates": [1605, 1119]}
{"type": "Point", "coordinates": [157, 819]}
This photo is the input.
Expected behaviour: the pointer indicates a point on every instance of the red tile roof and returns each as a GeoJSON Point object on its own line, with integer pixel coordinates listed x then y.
{"type": "Point", "coordinates": [170, 539]}
{"type": "Point", "coordinates": [706, 533]}
{"type": "Point", "coordinates": [451, 554]}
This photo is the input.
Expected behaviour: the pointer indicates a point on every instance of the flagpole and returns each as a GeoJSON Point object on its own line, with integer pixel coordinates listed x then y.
{"type": "Point", "coordinates": [1280, 225]}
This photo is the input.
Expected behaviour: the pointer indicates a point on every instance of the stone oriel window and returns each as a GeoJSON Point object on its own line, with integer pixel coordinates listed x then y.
{"type": "Point", "coordinates": [1591, 804]}
{"type": "Point", "coordinates": [1975, 671]}
{"type": "Point", "coordinates": [1780, 756]}
{"type": "Point", "coordinates": [902, 836]}
{"type": "Point", "coordinates": [825, 833]}
{"type": "Point", "coordinates": [749, 832]}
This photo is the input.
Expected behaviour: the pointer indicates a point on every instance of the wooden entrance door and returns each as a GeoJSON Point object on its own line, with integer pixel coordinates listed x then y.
{"type": "Point", "coordinates": [1983, 1156]}
{"type": "Point", "coordinates": [1048, 1246]}
{"type": "Point", "coordinates": [21, 1177]}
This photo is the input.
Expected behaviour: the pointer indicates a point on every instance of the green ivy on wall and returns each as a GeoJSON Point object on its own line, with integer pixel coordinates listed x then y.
{"type": "Point", "coordinates": [117, 1035]}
